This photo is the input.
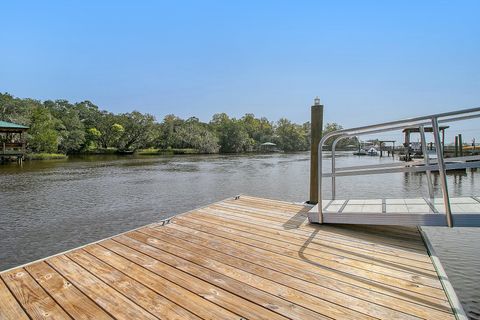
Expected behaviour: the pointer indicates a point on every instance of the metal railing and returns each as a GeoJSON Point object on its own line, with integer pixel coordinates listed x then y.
{"type": "Point", "coordinates": [427, 165]}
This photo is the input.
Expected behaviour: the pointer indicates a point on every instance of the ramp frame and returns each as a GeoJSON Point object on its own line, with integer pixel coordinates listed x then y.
{"type": "Point", "coordinates": [317, 214]}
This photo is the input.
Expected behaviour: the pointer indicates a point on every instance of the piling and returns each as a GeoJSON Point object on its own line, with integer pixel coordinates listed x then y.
{"type": "Point", "coordinates": [315, 136]}
{"type": "Point", "coordinates": [456, 147]}
{"type": "Point", "coordinates": [460, 145]}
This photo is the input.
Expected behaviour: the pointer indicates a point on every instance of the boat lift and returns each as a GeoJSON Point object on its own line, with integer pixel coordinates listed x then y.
{"type": "Point", "coordinates": [375, 211]}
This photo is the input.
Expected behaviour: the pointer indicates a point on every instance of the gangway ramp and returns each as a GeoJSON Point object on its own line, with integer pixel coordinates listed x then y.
{"type": "Point", "coordinates": [399, 211]}
{"type": "Point", "coordinates": [429, 211]}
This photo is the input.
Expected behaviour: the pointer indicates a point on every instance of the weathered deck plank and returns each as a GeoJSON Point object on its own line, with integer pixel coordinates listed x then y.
{"type": "Point", "coordinates": [305, 269]}
{"type": "Point", "coordinates": [10, 308]}
{"type": "Point", "coordinates": [277, 289]}
{"type": "Point", "coordinates": [342, 294]}
{"type": "Point", "coordinates": [68, 296]}
{"type": "Point", "coordinates": [37, 303]}
{"type": "Point", "coordinates": [341, 263]}
{"type": "Point", "coordinates": [246, 258]}
{"type": "Point", "coordinates": [134, 290]}
{"type": "Point", "coordinates": [208, 301]}
{"type": "Point", "coordinates": [321, 244]}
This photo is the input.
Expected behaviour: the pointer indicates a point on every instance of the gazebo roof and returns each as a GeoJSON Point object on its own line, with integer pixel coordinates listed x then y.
{"type": "Point", "coordinates": [10, 126]}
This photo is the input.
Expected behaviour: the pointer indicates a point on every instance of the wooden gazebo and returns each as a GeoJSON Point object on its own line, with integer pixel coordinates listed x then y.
{"type": "Point", "coordinates": [12, 140]}
{"type": "Point", "coordinates": [268, 147]}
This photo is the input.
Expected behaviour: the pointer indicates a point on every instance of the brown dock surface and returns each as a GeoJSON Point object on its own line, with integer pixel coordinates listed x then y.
{"type": "Point", "coordinates": [249, 258]}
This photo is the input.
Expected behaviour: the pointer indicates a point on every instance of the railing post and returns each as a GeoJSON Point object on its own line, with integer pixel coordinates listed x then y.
{"type": "Point", "coordinates": [315, 136]}
{"type": "Point", "coordinates": [427, 161]}
{"type": "Point", "coordinates": [334, 147]}
{"type": "Point", "coordinates": [442, 171]}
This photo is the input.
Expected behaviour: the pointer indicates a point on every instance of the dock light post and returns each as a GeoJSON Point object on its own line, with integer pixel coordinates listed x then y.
{"type": "Point", "coordinates": [315, 136]}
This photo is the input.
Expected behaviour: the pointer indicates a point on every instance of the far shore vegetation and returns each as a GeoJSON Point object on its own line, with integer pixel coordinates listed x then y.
{"type": "Point", "coordinates": [46, 156]}
{"type": "Point", "coordinates": [59, 128]}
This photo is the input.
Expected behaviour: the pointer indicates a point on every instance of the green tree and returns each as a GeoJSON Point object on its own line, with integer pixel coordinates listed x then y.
{"type": "Point", "coordinates": [17, 110]}
{"type": "Point", "coordinates": [167, 132]}
{"type": "Point", "coordinates": [89, 114]}
{"type": "Point", "coordinates": [137, 130]}
{"type": "Point", "coordinates": [43, 134]}
{"type": "Point", "coordinates": [290, 136]}
{"type": "Point", "coordinates": [219, 120]}
{"type": "Point", "coordinates": [194, 134]}
{"type": "Point", "coordinates": [110, 129]}
{"type": "Point", "coordinates": [260, 130]}
{"type": "Point", "coordinates": [71, 129]}
{"type": "Point", "coordinates": [232, 135]}
{"type": "Point", "coordinates": [92, 136]}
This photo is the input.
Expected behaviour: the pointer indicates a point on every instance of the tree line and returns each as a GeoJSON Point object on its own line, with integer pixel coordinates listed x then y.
{"type": "Point", "coordinates": [64, 127]}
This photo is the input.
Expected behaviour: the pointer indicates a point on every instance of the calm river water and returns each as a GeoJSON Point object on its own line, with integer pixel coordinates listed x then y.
{"type": "Point", "coordinates": [50, 206]}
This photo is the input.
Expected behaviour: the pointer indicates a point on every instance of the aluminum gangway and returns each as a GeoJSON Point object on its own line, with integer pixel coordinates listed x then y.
{"type": "Point", "coordinates": [458, 212]}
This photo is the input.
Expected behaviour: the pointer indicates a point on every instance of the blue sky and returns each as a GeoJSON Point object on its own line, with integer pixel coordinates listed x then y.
{"type": "Point", "coordinates": [367, 60]}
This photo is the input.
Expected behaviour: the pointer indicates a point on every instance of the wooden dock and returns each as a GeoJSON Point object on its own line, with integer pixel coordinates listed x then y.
{"type": "Point", "coordinates": [246, 258]}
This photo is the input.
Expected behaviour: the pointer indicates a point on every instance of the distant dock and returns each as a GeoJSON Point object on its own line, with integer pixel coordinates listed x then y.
{"type": "Point", "coordinates": [241, 258]}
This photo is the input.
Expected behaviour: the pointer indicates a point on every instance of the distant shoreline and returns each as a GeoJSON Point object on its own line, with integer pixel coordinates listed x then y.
{"type": "Point", "coordinates": [144, 152]}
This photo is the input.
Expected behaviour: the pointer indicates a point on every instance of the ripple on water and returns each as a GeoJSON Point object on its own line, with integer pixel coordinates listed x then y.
{"type": "Point", "coordinates": [459, 252]}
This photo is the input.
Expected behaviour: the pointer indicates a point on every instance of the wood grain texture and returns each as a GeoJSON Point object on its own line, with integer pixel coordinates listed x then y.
{"type": "Point", "coordinates": [68, 296]}
{"type": "Point", "coordinates": [379, 305]}
{"type": "Point", "coordinates": [175, 292]}
{"type": "Point", "coordinates": [157, 304]}
{"type": "Point", "coordinates": [9, 307]}
{"type": "Point", "coordinates": [105, 296]}
{"type": "Point", "coordinates": [33, 298]}
{"type": "Point", "coordinates": [346, 262]}
{"type": "Point", "coordinates": [249, 258]}
{"type": "Point", "coordinates": [226, 272]}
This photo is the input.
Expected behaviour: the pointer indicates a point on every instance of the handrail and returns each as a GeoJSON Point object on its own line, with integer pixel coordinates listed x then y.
{"type": "Point", "coordinates": [406, 164]}
{"type": "Point", "coordinates": [419, 122]}
{"type": "Point", "coordinates": [397, 169]}
{"type": "Point", "coordinates": [334, 146]}
{"type": "Point", "coordinates": [413, 121]}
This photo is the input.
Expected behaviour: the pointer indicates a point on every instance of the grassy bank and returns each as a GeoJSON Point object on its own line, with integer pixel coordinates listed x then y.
{"type": "Point", "coordinates": [153, 152]}
{"type": "Point", "coordinates": [114, 151]}
{"type": "Point", "coordinates": [46, 156]}
{"type": "Point", "coordinates": [147, 152]}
